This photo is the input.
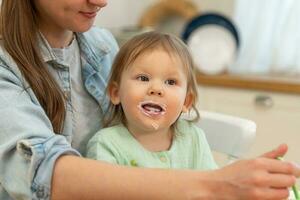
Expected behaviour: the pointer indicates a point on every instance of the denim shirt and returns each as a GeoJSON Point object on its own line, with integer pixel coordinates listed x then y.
{"type": "Point", "coordinates": [28, 145]}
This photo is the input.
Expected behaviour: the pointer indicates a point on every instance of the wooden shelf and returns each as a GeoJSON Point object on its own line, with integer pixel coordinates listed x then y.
{"type": "Point", "coordinates": [286, 85]}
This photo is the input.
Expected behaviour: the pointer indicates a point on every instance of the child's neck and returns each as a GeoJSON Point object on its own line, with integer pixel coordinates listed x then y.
{"type": "Point", "coordinates": [156, 140]}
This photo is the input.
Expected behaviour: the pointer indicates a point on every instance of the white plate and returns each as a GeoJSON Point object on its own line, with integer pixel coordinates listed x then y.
{"type": "Point", "coordinates": [213, 48]}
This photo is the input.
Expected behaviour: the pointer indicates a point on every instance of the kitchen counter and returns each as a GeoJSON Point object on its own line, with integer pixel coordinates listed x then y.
{"type": "Point", "coordinates": [275, 83]}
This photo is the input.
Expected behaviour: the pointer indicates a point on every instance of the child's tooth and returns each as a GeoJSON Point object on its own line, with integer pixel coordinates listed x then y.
{"type": "Point", "coordinates": [154, 109]}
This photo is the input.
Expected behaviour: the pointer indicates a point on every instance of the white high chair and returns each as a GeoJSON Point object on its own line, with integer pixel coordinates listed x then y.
{"type": "Point", "coordinates": [227, 134]}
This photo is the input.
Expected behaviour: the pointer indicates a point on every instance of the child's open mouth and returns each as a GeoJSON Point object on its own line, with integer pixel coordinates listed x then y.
{"type": "Point", "coordinates": [152, 109]}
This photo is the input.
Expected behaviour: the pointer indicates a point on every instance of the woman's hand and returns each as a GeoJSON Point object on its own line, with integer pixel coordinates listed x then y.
{"type": "Point", "coordinates": [261, 178]}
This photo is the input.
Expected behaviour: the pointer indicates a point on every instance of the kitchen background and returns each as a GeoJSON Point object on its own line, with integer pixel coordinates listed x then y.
{"type": "Point", "coordinates": [254, 86]}
{"type": "Point", "coordinates": [120, 13]}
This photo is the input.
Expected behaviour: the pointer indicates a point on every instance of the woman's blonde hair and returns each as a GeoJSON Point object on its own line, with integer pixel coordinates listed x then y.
{"type": "Point", "coordinates": [145, 43]}
{"type": "Point", "coordinates": [19, 32]}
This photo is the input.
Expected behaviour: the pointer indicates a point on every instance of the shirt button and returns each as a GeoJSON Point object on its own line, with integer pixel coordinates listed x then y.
{"type": "Point", "coordinates": [163, 159]}
{"type": "Point", "coordinates": [40, 192]}
{"type": "Point", "coordinates": [67, 94]}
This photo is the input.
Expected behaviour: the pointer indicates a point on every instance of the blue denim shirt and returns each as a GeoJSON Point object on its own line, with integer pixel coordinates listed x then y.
{"type": "Point", "coordinates": [28, 145]}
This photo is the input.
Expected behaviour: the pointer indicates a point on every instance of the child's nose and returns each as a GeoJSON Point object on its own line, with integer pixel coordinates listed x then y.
{"type": "Point", "coordinates": [159, 93]}
{"type": "Point", "coordinates": [156, 90]}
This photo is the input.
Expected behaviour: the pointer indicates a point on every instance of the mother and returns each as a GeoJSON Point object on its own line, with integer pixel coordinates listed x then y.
{"type": "Point", "coordinates": [53, 71]}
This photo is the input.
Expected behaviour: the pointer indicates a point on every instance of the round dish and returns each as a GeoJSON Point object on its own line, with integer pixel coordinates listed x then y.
{"type": "Point", "coordinates": [213, 41]}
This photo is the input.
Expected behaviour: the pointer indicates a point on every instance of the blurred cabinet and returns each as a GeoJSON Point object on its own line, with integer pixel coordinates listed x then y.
{"type": "Point", "coordinates": [277, 115]}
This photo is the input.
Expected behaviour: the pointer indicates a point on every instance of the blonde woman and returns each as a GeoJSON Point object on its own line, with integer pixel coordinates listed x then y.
{"type": "Point", "coordinates": [54, 68]}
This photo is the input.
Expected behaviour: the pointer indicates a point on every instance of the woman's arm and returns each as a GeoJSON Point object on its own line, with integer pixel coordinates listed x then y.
{"type": "Point", "coordinates": [260, 178]}
{"type": "Point", "coordinates": [79, 178]}
{"type": "Point", "coordinates": [28, 145]}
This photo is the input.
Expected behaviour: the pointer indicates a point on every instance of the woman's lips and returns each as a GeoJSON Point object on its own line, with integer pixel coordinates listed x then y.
{"type": "Point", "coordinates": [89, 15]}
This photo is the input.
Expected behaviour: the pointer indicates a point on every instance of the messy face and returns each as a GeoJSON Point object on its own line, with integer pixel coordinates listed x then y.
{"type": "Point", "coordinates": [152, 91]}
{"type": "Point", "coordinates": [74, 15]}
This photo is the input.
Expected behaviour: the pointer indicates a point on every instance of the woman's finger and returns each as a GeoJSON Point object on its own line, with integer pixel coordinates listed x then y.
{"type": "Point", "coordinates": [278, 152]}
{"type": "Point", "coordinates": [279, 180]}
{"type": "Point", "coordinates": [280, 167]}
{"type": "Point", "coordinates": [276, 193]}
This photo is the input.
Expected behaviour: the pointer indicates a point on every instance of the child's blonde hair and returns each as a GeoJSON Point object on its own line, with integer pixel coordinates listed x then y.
{"type": "Point", "coordinates": [139, 45]}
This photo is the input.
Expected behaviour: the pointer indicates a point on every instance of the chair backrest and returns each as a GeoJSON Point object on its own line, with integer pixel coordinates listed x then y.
{"type": "Point", "coordinates": [227, 134]}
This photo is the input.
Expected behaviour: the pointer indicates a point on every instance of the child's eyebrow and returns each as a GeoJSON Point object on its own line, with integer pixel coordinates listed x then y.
{"type": "Point", "coordinates": [138, 68]}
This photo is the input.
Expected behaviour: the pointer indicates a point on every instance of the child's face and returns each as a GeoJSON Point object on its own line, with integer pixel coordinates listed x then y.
{"type": "Point", "coordinates": [152, 91]}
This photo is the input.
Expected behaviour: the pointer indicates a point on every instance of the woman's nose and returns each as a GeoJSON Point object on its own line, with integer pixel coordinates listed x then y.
{"type": "Point", "coordinates": [99, 3]}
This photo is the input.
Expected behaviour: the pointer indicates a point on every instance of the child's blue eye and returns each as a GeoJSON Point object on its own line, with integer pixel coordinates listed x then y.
{"type": "Point", "coordinates": [142, 78]}
{"type": "Point", "coordinates": [170, 82]}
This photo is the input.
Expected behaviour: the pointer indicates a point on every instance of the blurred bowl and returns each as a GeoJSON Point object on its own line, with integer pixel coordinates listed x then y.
{"type": "Point", "coordinates": [213, 41]}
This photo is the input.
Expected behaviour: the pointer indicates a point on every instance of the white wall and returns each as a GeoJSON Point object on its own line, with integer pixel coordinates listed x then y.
{"type": "Point", "coordinates": [120, 13]}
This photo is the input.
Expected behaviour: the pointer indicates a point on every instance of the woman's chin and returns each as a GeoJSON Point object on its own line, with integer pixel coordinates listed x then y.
{"type": "Point", "coordinates": [81, 28]}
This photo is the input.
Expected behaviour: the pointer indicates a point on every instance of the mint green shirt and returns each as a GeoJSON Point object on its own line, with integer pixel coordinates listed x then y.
{"type": "Point", "coordinates": [189, 149]}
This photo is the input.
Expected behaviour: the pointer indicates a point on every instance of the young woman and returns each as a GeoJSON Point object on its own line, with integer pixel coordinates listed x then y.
{"type": "Point", "coordinates": [53, 72]}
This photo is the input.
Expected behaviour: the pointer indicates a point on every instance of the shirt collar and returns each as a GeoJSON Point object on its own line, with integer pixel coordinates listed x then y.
{"type": "Point", "coordinates": [48, 53]}
{"type": "Point", "coordinates": [46, 50]}
{"type": "Point", "coordinates": [93, 54]}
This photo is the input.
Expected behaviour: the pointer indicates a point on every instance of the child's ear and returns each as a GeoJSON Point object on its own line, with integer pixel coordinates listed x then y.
{"type": "Point", "coordinates": [189, 100]}
{"type": "Point", "coordinates": [113, 92]}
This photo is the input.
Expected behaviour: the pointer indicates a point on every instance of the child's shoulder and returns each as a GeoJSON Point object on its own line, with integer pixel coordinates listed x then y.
{"type": "Point", "coordinates": [184, 124]}
{"type": "Point", "coordinates": [109, 132]}
{"type": "Point", "coordinates": [188, 127]}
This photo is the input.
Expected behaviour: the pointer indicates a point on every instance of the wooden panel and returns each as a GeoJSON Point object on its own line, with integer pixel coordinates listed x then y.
{"type": "Point", "coordinates": [287, 85]}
